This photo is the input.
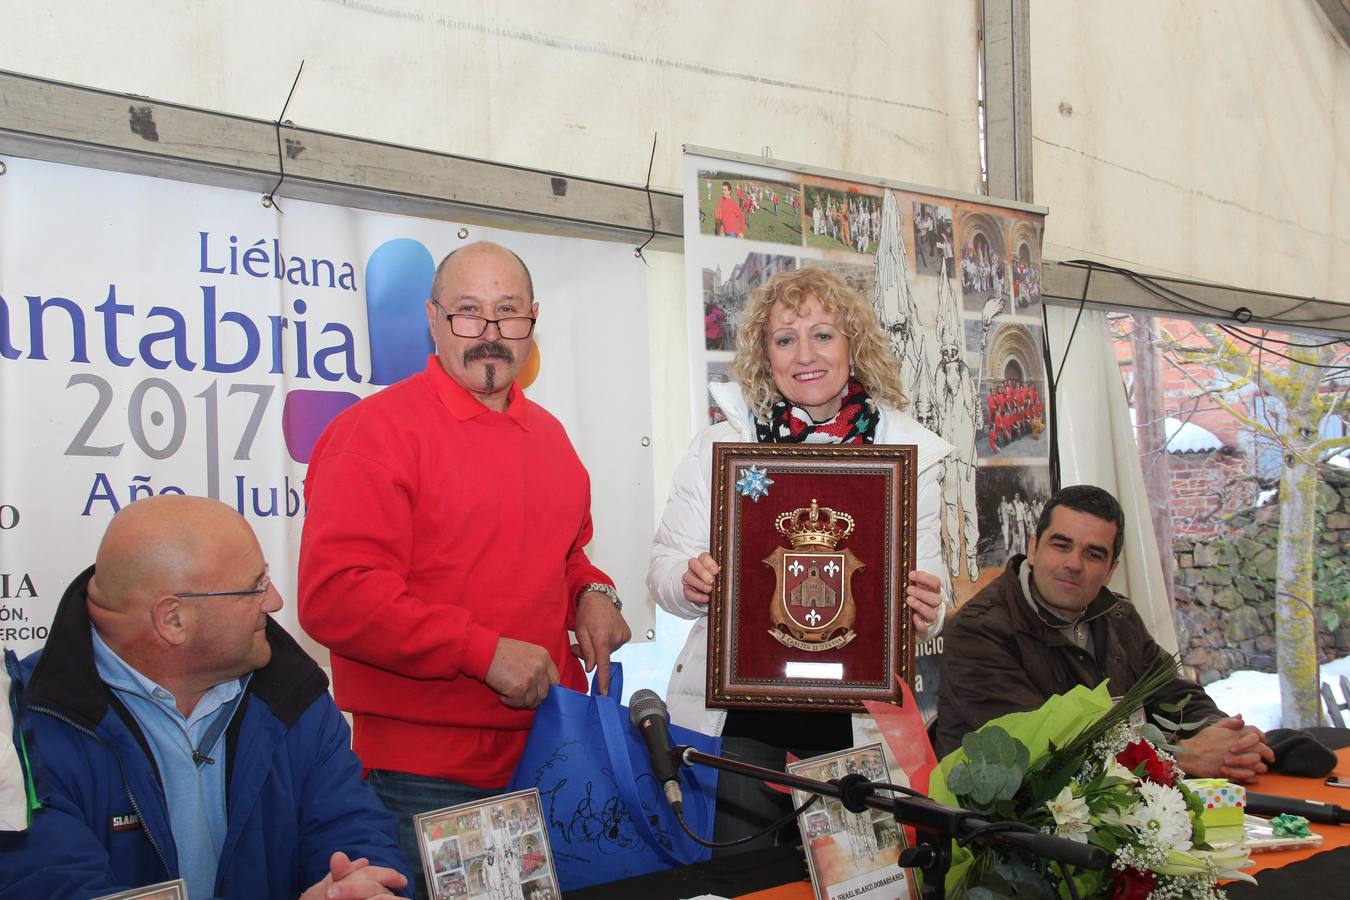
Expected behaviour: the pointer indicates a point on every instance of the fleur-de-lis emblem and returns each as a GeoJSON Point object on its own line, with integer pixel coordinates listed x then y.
{"type": "Point", "coordinates": [830, 568]}
{"type": "Point", "coordinates": [796, 567]}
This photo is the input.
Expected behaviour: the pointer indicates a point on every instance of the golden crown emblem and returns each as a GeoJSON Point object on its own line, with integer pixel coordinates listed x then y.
{"type": "Point", "coordinates": [821, 528]}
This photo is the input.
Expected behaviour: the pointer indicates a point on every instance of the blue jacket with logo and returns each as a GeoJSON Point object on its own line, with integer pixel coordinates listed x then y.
{"type": "Point", "coordinates": [293, 786]}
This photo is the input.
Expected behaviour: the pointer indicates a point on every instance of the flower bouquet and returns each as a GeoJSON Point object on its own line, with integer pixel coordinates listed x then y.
{"type": "Point", "coordinates": [1074, 768]}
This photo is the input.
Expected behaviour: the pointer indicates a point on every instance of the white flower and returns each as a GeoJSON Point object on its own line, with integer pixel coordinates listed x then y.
{"type": "Point", "coordinates": [1114, 769]}
{"type": "Point", "coordinates": [1162, 816]}
{"type": "Point", "coordinates": [1071, 816]}
{"type": "Point", "coordinates": [1125, 819]}
{"type": "Point", "coordinates": [1213, 864]}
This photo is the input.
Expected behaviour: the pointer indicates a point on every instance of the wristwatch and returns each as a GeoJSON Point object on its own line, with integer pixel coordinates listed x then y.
{"type": "Point", "coordinates": [607, 590]}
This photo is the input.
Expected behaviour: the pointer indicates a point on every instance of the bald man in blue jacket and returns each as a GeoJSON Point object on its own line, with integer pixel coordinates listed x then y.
{"type": "Point", "coordinates": [176, 731]}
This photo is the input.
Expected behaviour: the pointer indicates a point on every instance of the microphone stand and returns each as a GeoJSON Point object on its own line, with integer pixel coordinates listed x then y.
{"type": "Point", "coordinates": [936, 825]}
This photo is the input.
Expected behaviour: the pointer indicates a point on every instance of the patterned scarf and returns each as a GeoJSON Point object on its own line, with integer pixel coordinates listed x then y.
{"type": "Point", "coordinates": [855, 423]}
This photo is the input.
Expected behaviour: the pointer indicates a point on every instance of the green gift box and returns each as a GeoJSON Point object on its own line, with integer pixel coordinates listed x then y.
{"type": "Point", "coordinates": [1225, 802]}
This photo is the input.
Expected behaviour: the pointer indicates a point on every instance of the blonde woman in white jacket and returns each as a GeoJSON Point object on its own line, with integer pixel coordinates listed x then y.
{"type": "Point", "coordinates": [812, 365]}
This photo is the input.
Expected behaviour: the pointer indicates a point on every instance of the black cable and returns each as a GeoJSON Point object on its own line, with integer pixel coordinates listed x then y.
{"type": "Point", "coordinates": [1052, 405]}
{"type": "Point", "coordinates": [1053, 375]}
{"type": "Point", "coordinates": [721, 845]}
{"type": "Point", "coordinates": [651, 209]}
{"type": "Point", "coordinates": [898, 789]}
{"type": "Point", "coordinates": [1145, 283]}
{"type": "Point", "coordinates": [1274, 340]}
{"type": "Point", "coordinates": [995, 828]}
{"type": "Point", "coordinates": [1164, 292]}
{"type": "Point", "coordinates": [270, 198]}
{"type": "Point", "coordinates": [1148, 284]}
{"type": "Point", "coordinates": [1082, 302]}
{"type": "Point", "coordinates": [1231, 332]}
{"type": "Point", "coordinates": [1064, 874]}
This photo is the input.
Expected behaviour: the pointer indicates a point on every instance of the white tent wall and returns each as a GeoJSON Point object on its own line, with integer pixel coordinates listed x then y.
{"type": "Point", "coordinates": [575, 87]}
{"type": "Point", "coordinates": [1096, 445]}
{"type": "Point", "coordinates": [1202, 139]}
{"type": "Point", "coordinates": [578, 87]}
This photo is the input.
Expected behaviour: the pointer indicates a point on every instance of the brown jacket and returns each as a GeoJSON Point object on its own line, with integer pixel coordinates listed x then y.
{"type": "Point", "coordinates": [998, 657]}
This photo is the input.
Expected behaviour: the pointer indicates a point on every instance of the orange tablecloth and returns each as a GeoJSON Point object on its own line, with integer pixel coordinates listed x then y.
{"type": "Point", "coordinates": [1333, 836]}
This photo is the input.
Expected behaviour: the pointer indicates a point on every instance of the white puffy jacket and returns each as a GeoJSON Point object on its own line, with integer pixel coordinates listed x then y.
{"type": "Point", "coordinates": [683, 534]}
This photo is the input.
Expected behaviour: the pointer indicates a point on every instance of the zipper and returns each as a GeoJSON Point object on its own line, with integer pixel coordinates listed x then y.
{"type": "Point", "coordinates": [47, 711]}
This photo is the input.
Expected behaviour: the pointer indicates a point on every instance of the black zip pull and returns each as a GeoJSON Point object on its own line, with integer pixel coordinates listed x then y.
{"type": "Point", "coordinates": [199, 757]}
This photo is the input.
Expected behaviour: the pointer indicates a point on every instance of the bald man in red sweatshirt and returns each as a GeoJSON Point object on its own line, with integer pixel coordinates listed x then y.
{"type": "Point", "coordinates": [443, 559]}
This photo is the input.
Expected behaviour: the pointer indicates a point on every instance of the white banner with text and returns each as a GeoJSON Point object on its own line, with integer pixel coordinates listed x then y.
{"type": "Point", "coordinates": [162, 337]}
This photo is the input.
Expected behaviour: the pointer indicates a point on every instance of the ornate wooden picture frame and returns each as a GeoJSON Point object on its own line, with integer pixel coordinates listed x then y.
{"type": "Point", "coordinates": [815, 543]}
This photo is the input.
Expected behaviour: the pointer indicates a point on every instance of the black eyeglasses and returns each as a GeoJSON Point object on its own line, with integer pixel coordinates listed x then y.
{"type": "Point", "coordinates": [261, 588]}
{"type": "Point", "coordinates": [512, 328]}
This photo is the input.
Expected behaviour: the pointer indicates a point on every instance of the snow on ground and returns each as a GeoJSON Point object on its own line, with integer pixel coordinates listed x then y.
{"type": "Point", "coordinates": [1257, 694]}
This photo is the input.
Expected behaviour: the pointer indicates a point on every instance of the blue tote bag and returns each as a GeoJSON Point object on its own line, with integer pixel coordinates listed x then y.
{"type": "Point", "coordinates": [607, 816]}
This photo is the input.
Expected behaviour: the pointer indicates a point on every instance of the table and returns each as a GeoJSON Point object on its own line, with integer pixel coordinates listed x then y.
{"type": "Point", "coordinates": [780, 873]}
{"type": "Point", "coordinates": [1333, 836]}
{"type": "Point", "coordinates": [1303, 873]}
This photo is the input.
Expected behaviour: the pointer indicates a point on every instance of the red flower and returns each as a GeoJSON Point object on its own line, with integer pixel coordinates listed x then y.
{"type": "Point", "coordinates": [1132, 884]}
{"type": "Point", "coordinates": [1156, 770]}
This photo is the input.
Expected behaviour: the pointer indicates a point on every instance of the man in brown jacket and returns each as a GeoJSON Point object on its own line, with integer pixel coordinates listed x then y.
{"type": "Point", "coordinates": [1049, 623]}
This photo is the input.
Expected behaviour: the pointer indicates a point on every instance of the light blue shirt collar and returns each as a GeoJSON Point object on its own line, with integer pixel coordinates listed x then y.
{"type": "Point", "coordinates": [120, 675]}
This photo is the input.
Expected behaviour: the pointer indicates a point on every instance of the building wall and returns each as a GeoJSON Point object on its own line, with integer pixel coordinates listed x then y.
{"type": "Point", "coordinates": [1203, 487]}
{"type": "Point", "coordinates": [1206, 491]}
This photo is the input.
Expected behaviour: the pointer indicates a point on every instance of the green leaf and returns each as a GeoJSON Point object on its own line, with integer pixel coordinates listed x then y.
{"type": "Point", "coordinates": [995, 765]}
{"type": "Point", "coordinates": [1090, 884]}
{"type": "Point", "coordinates": [1105, 839]}
{"type": "Point", "coordinates": [1020, 879]}
{"type": "Point", "coordinates": [980, 892]}
{"type": "Point", "coordinates": [1153, 734]}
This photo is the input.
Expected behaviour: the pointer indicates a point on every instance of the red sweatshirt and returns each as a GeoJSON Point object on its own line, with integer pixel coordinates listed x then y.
{"type": "Point", "coordinates": [731, 217]}
{"type": "Point", "coordinates": [436, 526]}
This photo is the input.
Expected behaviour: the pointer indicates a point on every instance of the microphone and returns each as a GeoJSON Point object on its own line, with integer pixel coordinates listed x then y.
{"type": "Point", "coordinates": [1312, 810]}
{"type": "Point", "coordinates": [647, 711]}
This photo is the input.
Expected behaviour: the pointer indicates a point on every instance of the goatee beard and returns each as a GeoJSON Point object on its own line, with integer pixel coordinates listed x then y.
{"type": "Point", "coordinates": [489, 350]}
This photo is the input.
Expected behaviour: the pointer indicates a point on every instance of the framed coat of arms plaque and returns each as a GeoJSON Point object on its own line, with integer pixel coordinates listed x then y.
{"type": "Point", "coordinates": [815, 543]}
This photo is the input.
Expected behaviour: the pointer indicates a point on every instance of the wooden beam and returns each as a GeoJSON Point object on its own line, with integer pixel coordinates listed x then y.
{"type": "Point", "coordinates": [66, 123]}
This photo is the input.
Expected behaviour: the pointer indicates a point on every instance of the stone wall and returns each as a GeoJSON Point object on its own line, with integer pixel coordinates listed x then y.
{"type": "Point", "coordinates": [1225, 586]}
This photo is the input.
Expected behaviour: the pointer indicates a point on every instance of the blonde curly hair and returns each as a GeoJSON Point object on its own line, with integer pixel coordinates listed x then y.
{"type": "Point", "coordinates": [874, 363]}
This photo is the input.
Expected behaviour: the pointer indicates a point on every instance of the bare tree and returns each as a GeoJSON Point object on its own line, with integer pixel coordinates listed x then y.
{"type": "Point", "coordinates": [1303, 375]}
